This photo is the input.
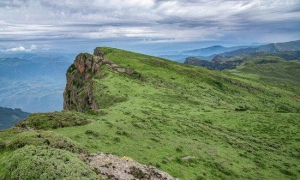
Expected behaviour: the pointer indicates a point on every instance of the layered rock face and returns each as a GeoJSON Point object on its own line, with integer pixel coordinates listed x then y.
{"type": "Point", "coordinates": [78, 94]}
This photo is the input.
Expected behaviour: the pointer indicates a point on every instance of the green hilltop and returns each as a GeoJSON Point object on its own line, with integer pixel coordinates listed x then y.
{"type": "Point", "coordinates": [191, 122]}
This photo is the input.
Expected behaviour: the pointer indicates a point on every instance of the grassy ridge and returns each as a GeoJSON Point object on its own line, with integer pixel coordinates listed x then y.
{"type": "Point", "coordinates": [190, 122]}
{"type": "Point", "coordinates": [278, 73]}
{"type": "Point", "coordinates": [193, 122]}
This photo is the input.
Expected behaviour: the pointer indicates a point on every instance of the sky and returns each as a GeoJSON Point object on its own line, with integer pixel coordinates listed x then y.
{"type": "Point", "coordinates": [149, 26]}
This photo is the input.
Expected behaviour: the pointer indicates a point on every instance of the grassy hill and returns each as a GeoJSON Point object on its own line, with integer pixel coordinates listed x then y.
{"type": "Point", "coordinates": [191, 122]}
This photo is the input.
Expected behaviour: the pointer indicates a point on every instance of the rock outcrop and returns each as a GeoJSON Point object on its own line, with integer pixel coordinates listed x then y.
{"type": "Point", "coordinates": [117, 168]}
{"type": "Point", "coordinates": [78, 94]}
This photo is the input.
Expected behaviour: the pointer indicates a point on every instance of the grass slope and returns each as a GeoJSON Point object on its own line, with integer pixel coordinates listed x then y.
{"type": "Point", "coordinates": [188, 121]}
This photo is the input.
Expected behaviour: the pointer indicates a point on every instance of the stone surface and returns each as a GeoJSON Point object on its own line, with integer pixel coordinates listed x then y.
{"type": "Point", "coordinates": [125, 168]}
{"type": "Point", "coordinates": [78, 94]}
{"type": "Point", "coordinates": [98, 52]}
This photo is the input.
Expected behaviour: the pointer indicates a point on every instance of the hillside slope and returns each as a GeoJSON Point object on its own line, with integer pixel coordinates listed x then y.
{"type": "Point", "coordinates": [191, 122]}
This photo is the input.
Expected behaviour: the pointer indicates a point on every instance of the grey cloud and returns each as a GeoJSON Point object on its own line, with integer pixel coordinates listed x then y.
{"type": "Point", "coordinates": [159, 20]}
{"type": "Point", "coordinates": [13, 3]}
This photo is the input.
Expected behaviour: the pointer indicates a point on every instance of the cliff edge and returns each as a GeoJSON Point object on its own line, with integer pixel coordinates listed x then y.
{"type": "Point", "coordinates": [78, 94]}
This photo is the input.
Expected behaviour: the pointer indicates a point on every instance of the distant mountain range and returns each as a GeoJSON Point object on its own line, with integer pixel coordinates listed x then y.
{"type": "Point", "coordinates": [207, 53]}
{"type": "Point", "coordinates": [272, 47]}
{"type": "Point", "coordinates": [217, 49]}
{"type": "Point", "coordinates": [210, 52]}
{"type": "Point", "coordinates": [33, 82]}
{"type": "Point", "coordinates": [9, 117]}
{"type": "Point", "coordinates": [231, 62]}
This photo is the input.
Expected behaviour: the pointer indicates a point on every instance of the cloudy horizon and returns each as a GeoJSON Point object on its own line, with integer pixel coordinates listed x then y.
{"type": "Point", "coordinates": [28, 25]}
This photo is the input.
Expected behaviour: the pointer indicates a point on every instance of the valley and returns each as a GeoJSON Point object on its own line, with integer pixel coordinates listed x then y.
{"type": "Point", "coordinates": [33, 82]}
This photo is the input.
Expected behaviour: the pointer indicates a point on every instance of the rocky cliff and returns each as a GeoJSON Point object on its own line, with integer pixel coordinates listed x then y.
{"type": "Point", "coordinates": [78, 94]}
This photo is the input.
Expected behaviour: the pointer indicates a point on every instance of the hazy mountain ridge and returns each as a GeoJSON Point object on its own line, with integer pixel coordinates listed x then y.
{"type": "Point", "coordinates": [207, 53]}
{"type": "Point", "coordinates": [33, 82]}
{"type": "Point", "coordinates": [272, 47]}
{"type": "Point", "coordinates": [210, 52]}
{"type": "Point", "coordinates": [9, 117]}
{"type": "Point", "coordinates": [221, 63]}
{"type": "Point", "coordinates": [216, 49]}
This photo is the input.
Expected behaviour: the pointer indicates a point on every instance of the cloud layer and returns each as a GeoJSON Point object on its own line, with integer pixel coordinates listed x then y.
{"type": "Point", "coordinates": [150, 21]}
{"type": "Point", "coordinates": [20, 49]}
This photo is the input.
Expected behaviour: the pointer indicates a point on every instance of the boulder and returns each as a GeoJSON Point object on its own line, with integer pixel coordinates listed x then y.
{"type": "Point", "coordinates": [122, 168]}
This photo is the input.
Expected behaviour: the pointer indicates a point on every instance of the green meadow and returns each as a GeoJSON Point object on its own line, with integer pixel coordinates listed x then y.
{"type": "Point", "coordinates": [191, 122]}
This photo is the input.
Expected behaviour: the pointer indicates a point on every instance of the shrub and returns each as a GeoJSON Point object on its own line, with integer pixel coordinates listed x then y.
{"type": "Point", "coordinates": [179, 149]}
{"type": "Point", "coordinates": [39, 138]}
{"type": "Point", "coordinates": [287, 172]}
{"type": "Point", "coordinates": [2, 144]}
{"type": "Point", "coordinates": [242, 108]}
{"type": "Point", "coordinates": [117, 139]}
{"type": "Point", "coordinates": [54, 120]}
{"type": "Point", "coordinates": [123, 133]}
{"type": "Point", "coordinates": [71, 68]}
{"type": "Point", "coordinates": [219, 85]}
{"type": "Point", "coordinates": [91, 132]}
{"type": "Point", "coordinates": [44, 162]}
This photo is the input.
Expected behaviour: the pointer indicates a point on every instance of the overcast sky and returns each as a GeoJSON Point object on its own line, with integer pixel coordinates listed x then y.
{"type": "Point", "coordinates": [31, 25]}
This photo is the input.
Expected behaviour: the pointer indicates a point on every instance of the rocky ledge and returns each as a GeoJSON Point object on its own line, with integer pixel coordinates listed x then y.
{"type": "Point", "coordinates": [117, 168]}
